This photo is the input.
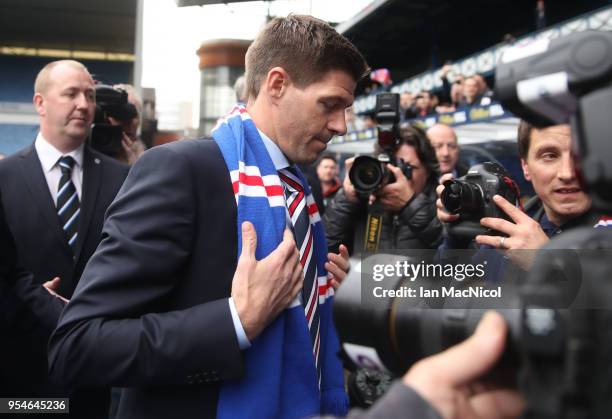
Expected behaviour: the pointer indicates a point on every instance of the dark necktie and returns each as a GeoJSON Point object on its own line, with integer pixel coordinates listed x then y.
{"type": "Point", "coordinates": [68, 207]}
{"type": "Point", "coordinates": [304, 239]}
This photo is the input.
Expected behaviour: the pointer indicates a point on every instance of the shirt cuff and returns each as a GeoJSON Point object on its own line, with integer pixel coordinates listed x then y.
{"type": "Point", "coordinates": [243, 340]}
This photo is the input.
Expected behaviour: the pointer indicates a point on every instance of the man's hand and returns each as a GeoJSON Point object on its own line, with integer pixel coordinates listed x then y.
{"type": "Point", "coordinates": [52, 287]}
{"type": "Point", "coordinates": [337, 266]}
{"type": "Point", "coordinates": [262, 289]}
{"type": "Point", "coordinates": [393, 197]}
{"type": "Point", "coordinates": [524, 233]}
{"type": "Point", "coordinates": [449, 381]}
{"type": "Point", "coordinates": [441, 212]}
{"type": "Point", "coordinates": [128, 147]}
{"type": "Point", "coordinates": [347, 186]}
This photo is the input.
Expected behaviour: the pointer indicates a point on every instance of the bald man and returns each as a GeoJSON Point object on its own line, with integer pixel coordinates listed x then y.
{"type": "Point", "coordinates": [444, 140]}
{"type": "Point", "coordinates": [54, 194]}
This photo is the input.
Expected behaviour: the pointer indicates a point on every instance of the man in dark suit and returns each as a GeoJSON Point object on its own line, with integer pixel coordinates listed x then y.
{"type": "Point", "coordinates": [54, 195]}
{"type": "Point", "coordinates": [165, 306]}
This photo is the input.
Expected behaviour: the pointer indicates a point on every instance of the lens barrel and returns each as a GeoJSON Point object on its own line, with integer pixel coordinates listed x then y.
{"type": "Point", "coordinates": [461, 197]}
{"type": "Point", "coordinates": [367, 174]}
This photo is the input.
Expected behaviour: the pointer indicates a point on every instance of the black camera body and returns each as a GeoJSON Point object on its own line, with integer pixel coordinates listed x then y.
{"type": "Point", "coordinates": [471, 196]}
{"type": "Point", "coordinates": [110, 102]}
{"type": "Point", "coordinates": [371, 173]}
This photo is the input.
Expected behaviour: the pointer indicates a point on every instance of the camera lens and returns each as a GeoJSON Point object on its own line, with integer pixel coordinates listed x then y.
{"type": "Point", "coordinates": [366, 174]}
{"type": "Point", "coordinates": [460, 197]}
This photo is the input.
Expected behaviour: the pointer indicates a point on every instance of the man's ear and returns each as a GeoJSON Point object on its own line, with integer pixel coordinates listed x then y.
{"type": "Point", "coordinates": [276, 82]}
{"type": "Point", "coordinates": [525, 170]}
{"type": "Point", "coordinates": [38, 104]}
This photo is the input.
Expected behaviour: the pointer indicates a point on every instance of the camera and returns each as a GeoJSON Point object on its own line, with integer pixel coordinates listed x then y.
{"type": "Point", "coordinates": [471, 196]}
{"type": "Point", "coordinates": [110, 102]}
{"type": "Point", "coordinates": [559, 344]}
{"type": "Point", "coordinates": [370, 173]}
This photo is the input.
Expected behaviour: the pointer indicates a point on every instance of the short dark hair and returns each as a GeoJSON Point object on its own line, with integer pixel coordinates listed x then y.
{"type": "Point", "coordinates": [306, 47]}
{"type": "Point", "coordinates": [327, 156]}
{"type": "Point", "coordinates": [524, 138]}
{"type": "Point", "coordinates": [414, 136]}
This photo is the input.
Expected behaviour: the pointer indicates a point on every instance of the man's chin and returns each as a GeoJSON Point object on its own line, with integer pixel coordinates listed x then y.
{"type": "Point", "coordinates": [307, 157]}
{"type": "Point", "coordinates": [571, 210]}
{"type": "Point", "coordinates": [78, 135]}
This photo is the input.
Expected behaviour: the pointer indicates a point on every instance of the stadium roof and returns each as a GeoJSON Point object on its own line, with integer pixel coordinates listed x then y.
{"type": "Point", "coordinates": [102, 25]}
{"type": "Point", "coordinates": [411, 36]}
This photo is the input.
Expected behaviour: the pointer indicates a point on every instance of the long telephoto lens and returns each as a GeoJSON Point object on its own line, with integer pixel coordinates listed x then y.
{"type": "Point", "coordinates": [460, 197]}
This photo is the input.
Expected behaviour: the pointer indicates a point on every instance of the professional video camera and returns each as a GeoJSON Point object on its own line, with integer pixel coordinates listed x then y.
{"type": "Point", "coordinates": [471, 196]}
{"type": "Point", "coordinates": [110, 102]}
{"type": "Point", "coordinates": [559, 315]}
{"type": "Point", "coordinates": [370, 173]}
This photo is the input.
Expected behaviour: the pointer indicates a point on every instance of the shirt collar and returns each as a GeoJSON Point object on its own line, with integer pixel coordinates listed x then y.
{"type": "Point", "coordinates": [277, 156]}
{"type": "Point", "coordinates": [49, 155]}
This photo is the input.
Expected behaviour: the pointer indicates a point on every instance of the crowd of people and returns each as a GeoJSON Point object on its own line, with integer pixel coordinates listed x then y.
{"type": "Point", "coordinates": [201, 283]}
{"type": "Point", "coordinates": [462, 92]}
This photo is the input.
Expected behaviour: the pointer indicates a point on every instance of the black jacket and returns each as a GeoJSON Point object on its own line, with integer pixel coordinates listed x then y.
{"type": "Point", "coordinates": [41, 247]}
{"type": "Point", "coordinates": [151, 311]}
{"type": "Point", "coordinates": [414, 227]}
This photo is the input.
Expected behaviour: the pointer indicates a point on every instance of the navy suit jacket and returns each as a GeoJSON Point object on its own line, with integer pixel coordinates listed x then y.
{"type": "Point", "coordinates": [42, 249]}
{"type": "Point", "coordinates": [151, 310]}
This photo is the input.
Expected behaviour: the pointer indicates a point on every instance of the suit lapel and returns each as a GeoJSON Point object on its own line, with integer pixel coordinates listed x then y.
{"type": "Point", "coordinates": [92, 176]}
{"type": "Point", "coordinates": [37, 185]}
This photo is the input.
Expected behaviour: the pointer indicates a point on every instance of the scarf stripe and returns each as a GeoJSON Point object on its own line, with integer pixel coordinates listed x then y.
{"type": "Point", "coordinates": [281, 378]}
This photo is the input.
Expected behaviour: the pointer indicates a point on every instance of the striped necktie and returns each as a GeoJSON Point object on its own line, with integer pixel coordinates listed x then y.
{"type": "Point", "coordinates": [68, 207]}
{"type": "Point", "coordinates": [304, 239]}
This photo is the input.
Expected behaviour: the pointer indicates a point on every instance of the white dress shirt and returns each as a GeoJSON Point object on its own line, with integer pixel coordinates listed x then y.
{"type": "Point", "coordinates": [49, 157]}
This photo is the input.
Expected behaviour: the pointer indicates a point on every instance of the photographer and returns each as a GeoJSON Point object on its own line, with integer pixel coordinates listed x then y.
{"type": "Point", "coordinates": [132, 145]}
{"type": "Point", "coordinates": [560, 204]}
{"type": "Point", "coordinates": [409, 220]}
{"type": "Point", "coordinates": [116, 124]}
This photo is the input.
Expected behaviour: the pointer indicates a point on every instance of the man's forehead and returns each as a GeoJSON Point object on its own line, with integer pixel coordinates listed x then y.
{"type": "Point", "coordinates": [67, 75]}
{"type": "Point", "coordinates": [551, 135]}
{"type": "Point", "coordinates": [442, 135]}
{"type": "Point", "coordinates": [338, 83]}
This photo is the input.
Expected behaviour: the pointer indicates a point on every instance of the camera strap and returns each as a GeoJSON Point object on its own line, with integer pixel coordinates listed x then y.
{"type": "Point", "coordinates": [373, 227]}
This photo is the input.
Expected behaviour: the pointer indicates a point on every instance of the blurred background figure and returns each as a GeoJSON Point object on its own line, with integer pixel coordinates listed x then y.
{"type": "Point", "coordinates": [406, 103]}
{"type": "Point", "coordinates": [444, 141]}
{"type": "Point", "coordinates": [132, 145]}
{"type": "Point", "coordinates": [353, 122]}
{"type": "Point", "coordinates": [422, 106]}
{"type": "Point", "coordinates": [475, 92]}
{"type": "Point", "coordinates": [327, 170]}
{"type": "Point", "coordinates": [240, 89]}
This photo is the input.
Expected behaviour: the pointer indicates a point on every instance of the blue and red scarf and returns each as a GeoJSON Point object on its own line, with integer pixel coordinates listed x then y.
{"type": "Point", "coordinates": [281, 379]}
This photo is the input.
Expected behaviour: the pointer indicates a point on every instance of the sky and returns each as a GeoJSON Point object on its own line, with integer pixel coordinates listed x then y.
{"type": "Point", "coordinates": [172, 35]}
